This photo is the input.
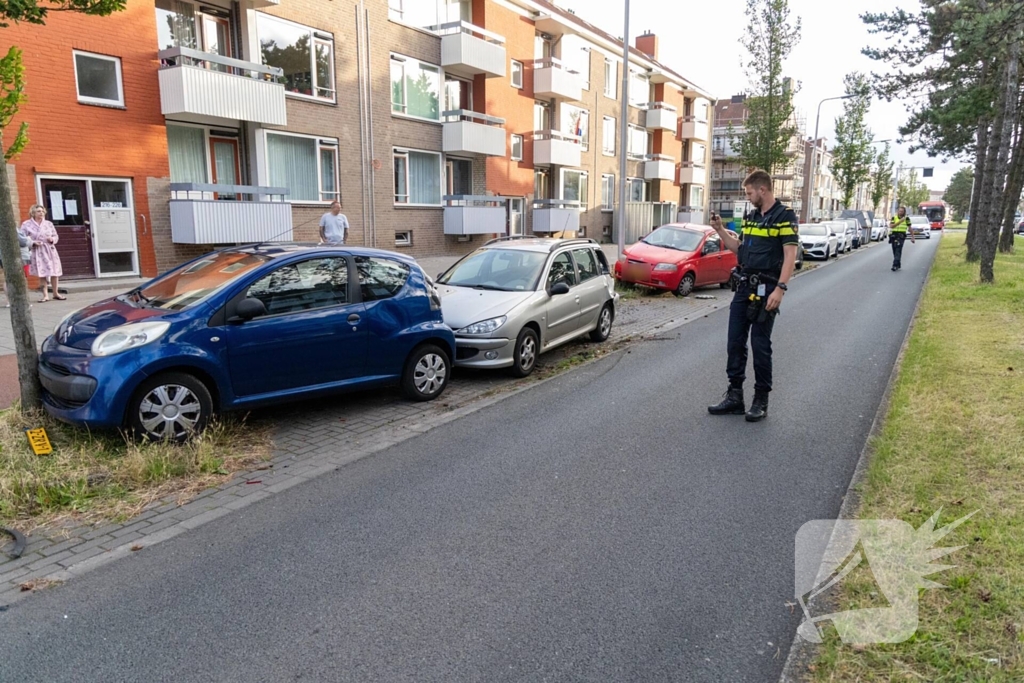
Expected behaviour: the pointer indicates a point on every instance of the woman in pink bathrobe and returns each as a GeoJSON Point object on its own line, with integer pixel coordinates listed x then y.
{"type": "Point", "coordinates": [45, 262]}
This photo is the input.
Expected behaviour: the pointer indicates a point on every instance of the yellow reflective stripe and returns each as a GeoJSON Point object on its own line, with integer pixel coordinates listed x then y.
{"type": "Point", "coordinates": [787, 231]}
{"type": "Point", "coordinates": [769, 232]}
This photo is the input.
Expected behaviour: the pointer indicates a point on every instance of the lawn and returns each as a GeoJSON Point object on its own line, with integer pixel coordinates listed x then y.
{"type": "Point", "coordinates": [953, 439]}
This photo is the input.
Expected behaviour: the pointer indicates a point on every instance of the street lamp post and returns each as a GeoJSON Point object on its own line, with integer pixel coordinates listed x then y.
{"type": "Point", "coordinates": [814, 157]}
{"type": "Point", "coordinates": [623, 133]}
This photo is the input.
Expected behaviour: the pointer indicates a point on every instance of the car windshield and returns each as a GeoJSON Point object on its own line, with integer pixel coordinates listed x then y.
{"type": "Point", "coordinates": [195, 281]}
{"type": "Point", "coordinates": [503, 270]}
{"type": "Point", "coordinates": [813, 229]}
{"type": "Point", "coordinates": [679, 239]}
{"type": "Point", "coordinates": [918, 220]}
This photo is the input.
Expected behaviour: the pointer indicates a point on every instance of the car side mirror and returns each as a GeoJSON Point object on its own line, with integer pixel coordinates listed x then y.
{"type": "Point", "coordinates": [558, 289]}
{"type": "Point", "coordinates": [248, 309]}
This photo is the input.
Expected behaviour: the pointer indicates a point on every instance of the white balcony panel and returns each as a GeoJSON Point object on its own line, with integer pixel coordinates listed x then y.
{"type": "Point", "coordinates": [661, 169]}
{"type": "Point", "coordinates": [553, 82]}
{"type": "Point", "coordinates": [691, 215]}
{"type": "Point", "coordinates": [475, 220]}
{"type": "Point", "coordinates": [694, 130]}
{"type": "Point", "coordinates": [662, 119]}
{"type": "Point", "coordinates": [692, 175]}
{"type": "Point", "coordinates": [467, 55]}
{"type": "Point", "coordinates": [467, 137]}
{"type": "Point", "coordinates": [227, 222]}
{"type": "Point", "coordinates": [204, 92]}
{"type": "Point", "coordinates": [554, 152]}
{"type": "Point", "coordinates": [556, 220]}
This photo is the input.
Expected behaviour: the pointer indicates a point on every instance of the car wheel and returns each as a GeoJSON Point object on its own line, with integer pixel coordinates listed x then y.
{"type": "Point", "coordinates": [524, 360]}
{"type": "Point", "coordinates": [799, 264]}
{"type": "Point", "coordinates": [685, 285]}
{"type": "Point", "coordinates": [171, 407]}
{"type": "Point", "coordinates": [426, 373]}
{"type": "Point", "coordinates": [604, 324]}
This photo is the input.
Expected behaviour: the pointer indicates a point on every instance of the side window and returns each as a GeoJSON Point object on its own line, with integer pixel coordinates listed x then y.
{"type": "Point", "coordinates": [304, 286]}
{"type": "Point", "coordinates": [380, 278]}
{"type": "Point", "coordinates": [713, 245]}
{"type": "Point", "coordinates": [586, 263]}
{"type": "Point", "coordinates": [562, 270]}
{"type": "Point", "coordinates": [603, 261]}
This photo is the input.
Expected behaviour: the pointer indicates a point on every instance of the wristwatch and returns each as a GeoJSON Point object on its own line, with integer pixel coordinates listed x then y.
{"type": "Point", "coordinates": [783, 286]}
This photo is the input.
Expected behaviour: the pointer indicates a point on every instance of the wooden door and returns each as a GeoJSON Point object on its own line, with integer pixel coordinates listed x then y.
{"type": "Point", "coordinates": [67, 207]}
{"type": "Point", "coordinates": [224, 162]}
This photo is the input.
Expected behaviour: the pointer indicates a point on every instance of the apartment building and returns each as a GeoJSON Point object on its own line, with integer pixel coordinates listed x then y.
{"type": "Point", "coordinates": [177, 126]}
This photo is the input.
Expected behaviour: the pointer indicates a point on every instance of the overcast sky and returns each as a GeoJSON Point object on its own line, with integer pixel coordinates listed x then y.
{"type": "Point", "coordinates": [700, 40]}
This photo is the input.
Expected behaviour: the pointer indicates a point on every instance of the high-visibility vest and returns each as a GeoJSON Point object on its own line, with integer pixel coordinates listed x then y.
{"type": "Point", "coordinates": [900, 224]}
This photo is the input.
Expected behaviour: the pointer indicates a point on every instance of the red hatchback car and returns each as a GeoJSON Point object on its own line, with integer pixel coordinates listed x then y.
{"type": "Point", "coordinates": [677, 257]}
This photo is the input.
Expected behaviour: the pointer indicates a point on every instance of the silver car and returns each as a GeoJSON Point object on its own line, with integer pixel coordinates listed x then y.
{"type": "Point", "coordinates": [844, 231]}
{"type": "Point", "coordinates": [513, 299]}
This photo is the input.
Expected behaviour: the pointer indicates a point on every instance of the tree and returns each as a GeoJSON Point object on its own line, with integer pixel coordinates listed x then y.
{"type": "Point", "coordinates": [852, 154]}
{"type": "Point", "coordinates": [881, 178]}
{"type": "Point", "coordinates": [958, 193]}
{"type": "Point", "coordinates": [910, 192]}
{"type": "Point", "coordinates": [12, 95]}
{"type": "Point", "coordinates": [766, 136]}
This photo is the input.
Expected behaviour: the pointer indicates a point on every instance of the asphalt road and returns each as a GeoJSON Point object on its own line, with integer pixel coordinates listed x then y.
{"type": "Point", "coordinates": [601, 527]}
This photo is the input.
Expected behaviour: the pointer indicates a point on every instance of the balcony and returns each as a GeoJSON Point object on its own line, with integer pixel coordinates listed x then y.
{"type": "Point", "coordinates": [691, 214]}
{"type": "Point", "coordinates": [475, 215]}
{"type": "Point", "coordinates": [659, 167]}
{"type": "Point", "coordinates": [553, 148]}
{"type": "Point", "coordinates": [199, 217]}
{"type": "Point", "coordinates": [553, 80]}
{"type": "Point", "coordinates": [662, 116]}
{"type": "Point", "coordinates": [469, 132]}
{"type": "Point", "coordinates": [468, 50]}
{"type": "Point", "coordinates": [692, 129]}
{"type": "Point", "coordinates": [201, 84]}
{"type": "Point", "coordinates": [556, 215]}
{"type": "Point", "coordinates": [692, 173]}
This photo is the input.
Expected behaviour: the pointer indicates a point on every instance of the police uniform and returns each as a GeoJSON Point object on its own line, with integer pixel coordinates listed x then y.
{"type": "Point", "coordinates": [897, 237]}
{"type": "Point", "coordinates": [761, 255]}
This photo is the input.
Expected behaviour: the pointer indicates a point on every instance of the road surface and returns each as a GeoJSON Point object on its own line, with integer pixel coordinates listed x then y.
{"type": "Point", "coordinates": [601, 527]}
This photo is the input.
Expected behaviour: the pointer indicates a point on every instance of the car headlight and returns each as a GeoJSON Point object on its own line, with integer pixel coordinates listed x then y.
{"type": "Point", "coordinates": [666, 267]}
{"type": "Point", "coordinates": [484, 326]}
{"type": "Point", "coordinates": [62, 321]}
{"type": "Point", "coordinates": [127, 337]}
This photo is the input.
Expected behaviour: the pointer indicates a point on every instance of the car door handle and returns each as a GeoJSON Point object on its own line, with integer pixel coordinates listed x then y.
{"type": "Point", "coordinates": [353, 319]}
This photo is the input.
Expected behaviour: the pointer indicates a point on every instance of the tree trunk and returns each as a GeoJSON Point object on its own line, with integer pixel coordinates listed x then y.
{"type": "Point", "coordinates": [17, 295]}
{"type": "Point", "coordinates": [980, 157]}
{"type": "Point", "coordinates": [1011, 198]}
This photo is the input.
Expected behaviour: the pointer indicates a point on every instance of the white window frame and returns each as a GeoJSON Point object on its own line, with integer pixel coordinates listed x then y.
{"type": "Point", "coordinates": [322, 143]}
{"type": "Point", "coordinates": [513, 73]}
{"type": "Point", "coordinates": [316, 36]}
{"type": "Point", "coordinates": [605, 137]}
{"type": "Point", "coordinates": [83, 99]}
{"type": "Point", "coordinates": [609, 206]}
{"type": "Point", "coordinates": [406, 62]}
{"type": "Point", "coordinates": [636, 100]}
{"type": "Point", "coordinates": [404, 152]}
{"type": "Point", "coordinates": [643, 183]}
{"type": "Point", "coordinates": [403, 238]}
{"type": "Point", "coordinates": [630, 154]}
{"type": "Point", "coordinates": [516, 139]}
{"type": "Point", "coordinates": [585, 114]}
{"type": "Point", "coordinates": [584, 198]}
{"type": "Point", "coordinates": [611, 85]}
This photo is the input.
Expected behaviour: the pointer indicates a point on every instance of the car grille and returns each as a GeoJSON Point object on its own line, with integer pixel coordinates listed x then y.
{"type": "Point", "coordinates": [61, 403]}
{"type": "Point", "coordinates": [465, 353]}
{"type": "Point", "coordinates": [59, 369]}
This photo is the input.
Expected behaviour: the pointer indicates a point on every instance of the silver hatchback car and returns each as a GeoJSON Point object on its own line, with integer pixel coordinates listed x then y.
{"type": "Point", "coordinates": [515, 298]}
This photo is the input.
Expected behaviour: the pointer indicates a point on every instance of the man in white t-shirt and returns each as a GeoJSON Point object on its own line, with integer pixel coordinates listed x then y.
{"type": "Point", "coordinates": [333, 226]}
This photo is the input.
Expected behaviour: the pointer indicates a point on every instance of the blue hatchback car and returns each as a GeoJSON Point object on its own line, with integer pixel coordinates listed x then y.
{"type": "Point", "coordinates": [246, 327]}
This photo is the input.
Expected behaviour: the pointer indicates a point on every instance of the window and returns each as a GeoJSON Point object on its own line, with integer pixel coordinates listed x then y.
{"type": "Point", "coordinates": [586, 262]}
{"type": "Point", "coordinates": [637, 142]}
{"type": "Point", "coordinates": [186, 151]}
{"type": "Point", "coordinates": [415, 88]}
{"type": "Point", "coordinates": [639, 89]}
{"type": "Point", "coordinates": [608, 135]}
{"type": "Point", "coordinates": [607, 192]}
{"type": "Point", "coordinates": [304, 286]}
{"type": "Point", "coordinates": [517, 74]}
{"type": "Point", "coordinates": [541, 184]}
{"type": "Point", "coordinates": [541, 116]}
{"type": "Point", "coordinates": [458, 177]}
{"type": "Point", "coordinates": [576, 121]}
{"type": "Point", "coordinates": [380, 278]}
{"type": "Point", "coordinates": [611, 79]}
{"type": "Point", "coordinates": [429, 13]}
{"type": "Point", "coordinates": [713, 245]}
{"type": "Point", "coordinates": [575, 186]}
{"type": "Point", "coordinates": [636, 190]}
{"type": "Point", "coordinates": [98, 78]}
{"type": "Point", "coordinates": [517, 148]}
{"type": "Point", "coordinates": [417, 178]}
{"type": "Point", "coordinates": [307, 166]}
{"type": "Point", "coordinates": [306, 55]}
{"type": "Point", "coordinates": [697, 195]}
{"type": "Point", "coordinates": [562, 270]}
{"type": "Point", "coordinates": [403, 238]}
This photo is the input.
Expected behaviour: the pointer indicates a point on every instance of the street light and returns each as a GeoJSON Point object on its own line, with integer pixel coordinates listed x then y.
{"type": "Point", "coordinates": [814, 158]}
{"type": "Point", "coordinates": [623, 134]}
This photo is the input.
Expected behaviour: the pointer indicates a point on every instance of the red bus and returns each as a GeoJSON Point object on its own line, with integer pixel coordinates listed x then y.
{"type": "Point", "coordinates": [936, 213]}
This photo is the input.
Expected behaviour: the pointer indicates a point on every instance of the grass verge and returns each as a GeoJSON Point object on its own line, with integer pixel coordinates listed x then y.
{"type": "Point", "coordinates": [93, 477]}
{"type": "Point", "coordinates": [953, 439]}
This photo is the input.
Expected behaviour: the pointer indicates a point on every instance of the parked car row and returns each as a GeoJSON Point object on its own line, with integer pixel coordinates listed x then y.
{"type": "Point", "coordinates": [258, 325]}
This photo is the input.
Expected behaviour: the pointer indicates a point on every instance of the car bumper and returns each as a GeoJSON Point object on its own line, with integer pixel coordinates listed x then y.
{"type": "Point", "coordinates": [83, 389]}
{"type": "Point", "coordinates": [646, 276]}
{"type": "Point", "coordinates": [483, 353]}
{"type": "Point", "coordinates": [816, 251]}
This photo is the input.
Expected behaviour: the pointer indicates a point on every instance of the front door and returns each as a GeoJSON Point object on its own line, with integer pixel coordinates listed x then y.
{"type": "Point", "coordinates": [224, 163]}
{"type": "Point", "coordinates": [712, 263]}
{"type": "Point", "coordinates": [459, 177]}
{"type": "Point", "coordinates": [563, 311]}
{"type": "Point", "coordinates": [67, 207]}
{"type": "Point", "coordinates": [216, 37]}
{"type": "Point", "coordinates": [516, 214]}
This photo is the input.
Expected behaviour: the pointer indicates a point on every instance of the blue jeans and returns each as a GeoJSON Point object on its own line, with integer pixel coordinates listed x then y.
{"type": "Point", "coordinates": [760, 335]}
{"type": "Point", "coordinates": [898, 239]}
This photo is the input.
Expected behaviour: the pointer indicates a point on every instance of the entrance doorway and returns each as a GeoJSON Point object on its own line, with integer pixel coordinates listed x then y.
{"type": "Point", "coordinates": [67, 207]}
{"type": "Point", "coordinates": [516, 215]}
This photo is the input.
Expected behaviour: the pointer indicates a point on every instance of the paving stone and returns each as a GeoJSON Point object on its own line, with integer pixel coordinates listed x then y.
{"type": "Point", "coordinates": [133, 528]}
{"type": "Point", "coordinates": [17, 575]}
{"type": "Point", "coordinates": [94, 543]}
{"type": "Point", "coordinates": [81, 557]}
{"type": "Point", "coordinates": [123, 540]}
{"type": "Point", "coordinates": [63, 545]}
{"type": "Point", "coordinates": [47, 561]}
{"type": "Point", "coordinates": [160, 525]}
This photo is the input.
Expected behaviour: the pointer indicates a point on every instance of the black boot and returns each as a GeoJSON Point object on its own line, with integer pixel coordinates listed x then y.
{"type": "Point", "coordinates": [759, 408]}
{"type": "Point", "coordinates": [732, 404]}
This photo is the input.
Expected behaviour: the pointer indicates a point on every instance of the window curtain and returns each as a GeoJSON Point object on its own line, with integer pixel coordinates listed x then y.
{"type": "Point", "coordinates": [424, 178]}
{"type": "Point", "coordinates": [292, 164]}
{"type": "Point", "coordinates": [186, 149]}
{"type": "Point", "coordinates": [176, 24]}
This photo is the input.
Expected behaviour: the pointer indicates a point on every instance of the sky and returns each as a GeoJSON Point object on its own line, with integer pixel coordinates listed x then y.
{"type": "Point", "coordinates": [703, 45]}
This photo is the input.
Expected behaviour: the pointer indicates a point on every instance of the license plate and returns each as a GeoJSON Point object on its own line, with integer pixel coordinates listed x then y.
{"type": "Point", "coordinates": [636, 271]}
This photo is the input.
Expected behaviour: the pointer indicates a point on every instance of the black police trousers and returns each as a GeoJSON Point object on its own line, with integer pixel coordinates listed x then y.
{"type": "Point", "coordinates": [760, 335]}
{"type": "Point", "coordinates": [897, 238]}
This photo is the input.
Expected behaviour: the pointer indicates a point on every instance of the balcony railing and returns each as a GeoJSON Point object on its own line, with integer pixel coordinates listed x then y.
{"type": "Point", "coordinates": [661, 116]}
{"type": "Point", "coordinates": [692, 128]}
{"type": "Point", "coordinates": [468, 50]}
{"type": "Point", "coordinates": [692, 173]}
{"type": "Point", "coordinates": [475, 215]}
{"type": "Point", "coordinates": [554, 80]}
{"type": "Point", "coordinates": [556, 215]}
{"type": "Point", "coordinates": [203, 84]}
{"type": "Point", "coordinates": [203, 213]}
{"type": "Point", "coordinates": [659, 167]}
{"type": "Point", "coordinates": [554, 148]}
{"type": "Point", "coordinates": [470, 132]}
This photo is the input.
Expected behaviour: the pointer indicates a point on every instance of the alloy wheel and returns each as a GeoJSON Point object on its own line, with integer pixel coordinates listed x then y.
{"type": "Point", "coordinates": [430, 374]}
{"type": "Point", "coordinates": [528, 353]}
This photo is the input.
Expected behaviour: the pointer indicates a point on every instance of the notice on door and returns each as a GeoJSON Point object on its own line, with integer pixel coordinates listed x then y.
{"type": "Point", "coordinates": [56, 205]}
{"type": "Point", "coordinates": [71, 207]}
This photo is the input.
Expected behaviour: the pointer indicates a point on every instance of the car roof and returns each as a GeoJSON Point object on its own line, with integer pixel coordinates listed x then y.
{"type": "Point", "coordinates": [276, 250]}
{"type": "Point", "coordinates": [697, 227]}
{"type": "Point", "coordinates": [541, 245]}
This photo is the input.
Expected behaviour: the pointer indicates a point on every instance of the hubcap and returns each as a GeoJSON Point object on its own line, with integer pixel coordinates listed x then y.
{"type": "Point", "coordinates": [430, 373]}
{"type": "Point", "coordinates": [527, 353]}
{"type": "Point", "coordinates": [606, 322]}
{"type": "Point", "coordinates": [169, 411]}
{"type": "Point", "coordinates": [686, 285]}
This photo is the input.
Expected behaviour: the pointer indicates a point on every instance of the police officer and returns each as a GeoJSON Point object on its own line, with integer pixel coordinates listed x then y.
{"type": "Point", "coordinates": [898, 228]}
{"type": "Point", "coordinates": [767, 256]}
